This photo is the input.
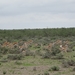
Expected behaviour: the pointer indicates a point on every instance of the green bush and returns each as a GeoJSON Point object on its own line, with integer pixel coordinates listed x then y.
{"type": "Point", "coordinates": [55, 50]}
{"type": "Point", "coordinates": [47, 54]}
{"type": "Point", "coordinates": [46, 73]}
{"type": "Point", "coordinates": [4, 72]}
{"type": "Point", "coordinates": [54, 68]}
{"type": "Point", "coordinates": [74, 69]}
{"type": "Point", "coordinates": [71, 62]}
{"type": "Point", "coordinates": [73, 49]}
{"type": "Point", "coordinates": [29, 53]}
{"type": "Point", "coordinates": [14, 56]}
{"type": "Point", "coordinates": [68, 63]}
{"type": "Point", "coordinates": [4, 60]}
{"type": "Point", "coordinates": [18, 63]}
{"type": "Point", "coordinates": [3, 50]}
{"type": "Point", "coordinates": [38, 52]}
{"type": "Point", "coordinates": [0, 63]}
{"type": "Point", "coordinates": [65, 64]}
{"type": "Point", "coordinates": [14, 51]}
{"type": "Point", "coordinates": [59, 56]}
{"type": "Point", "coordinates": [1, 55]}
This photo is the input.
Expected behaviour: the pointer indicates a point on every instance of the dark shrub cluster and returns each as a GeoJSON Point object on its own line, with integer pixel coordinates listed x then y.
{"type": "Point", "coordinates": [68, 63]}
{"type": "Point", "coordinates": [47, 54]}
{"type": "Point", "coordinates": [46, 73]}
{"type": "Point", "coordinates": [54, 68]}
{"type": "Point", "coordinates": [4, 72]}
{"type": "Point", "coordinates": [3, 60]}
{"type": "Point", "coordinates": [29, 53]}
{"type": "Point", "coordinates": [59, 56]}
{"type": "Point", "coordinates": [18, 62]}
{"type": "Point", "coordinates": [14, 51]}
{"type": "Point", "coordinates": [14, 56]}
{"type": "Point", "coordinates": [55, 50]}
{"type": "Point", "coordinates": [3, 50]}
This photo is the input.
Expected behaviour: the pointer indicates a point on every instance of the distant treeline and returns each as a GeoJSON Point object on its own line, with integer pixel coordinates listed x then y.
{"type": "Point", "coordinates": [16, 34]}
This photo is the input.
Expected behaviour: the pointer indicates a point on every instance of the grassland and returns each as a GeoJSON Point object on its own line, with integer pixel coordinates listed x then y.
{"type": "Point", "coordinates": [28, 63]}
{"type": "Point", "coordinates": [35, 53]}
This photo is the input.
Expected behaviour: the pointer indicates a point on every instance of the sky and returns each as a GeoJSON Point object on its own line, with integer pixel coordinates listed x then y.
{"type": "Point", "coordinates": [23, 14]}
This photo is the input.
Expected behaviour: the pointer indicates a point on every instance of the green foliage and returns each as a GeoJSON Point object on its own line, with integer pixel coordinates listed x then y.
{"type": "Point", "coordinates": [29, 53]}
{"type": "Point", "coordinates": [4, 72]}
{"type": "Point", "coordinates": [74, 69]}
{"type": "Point", "coordinates": [3, 60]}
{"type": "Point", "coordinates": [71, 62]}
{"type": "Point", "coordinates": [18, 63]}
{"type": "Point", "coordinates": [14, 51]}
{"type": "Point", "coordinates": [73, 49]}
{"type": "Point", "coordinates": [68, 63]}
{"type": "Point", "coordinates": [46, 73]}
{"type": "Point", "coordinates": [55, 50]}
{"type": "Point", "coordinates": [72, 46]}
{"type": "Point", "coordinates": [18, 34]}
{"type": "Point", "coordinates": [38, 52]}
{"type": "Point", "coordinates": [1, 55]}
{"type": "Point", "coordinates": [0, 63]}
{"type": "Point", "coordinates": [47, 54]}
{"type": "Point", "coordinates": [59, 56]}
{"type": "Point", "coordinates": [3, 50]}
{"type": "Point", "coordinates": [14, 57]}
{"type": "Point", "coordinates": [54, 68]}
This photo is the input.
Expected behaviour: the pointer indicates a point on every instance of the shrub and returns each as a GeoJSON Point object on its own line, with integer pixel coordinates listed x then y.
{"type": "Point", "coordinates": [29, 53]}
{"type": "Point", "coordinates": [55, 50]}
{"type": "Point", "coordinates": [4, 72]}
{"type": "Point", "coordinates": [3, 50]}
{"type": "Point", "coordinates": [0, 63]}
{"type": "Point", "coordinates": [34, 68]}
{"type": "Point", "coordinates": [14, 56]}
{"type": "Point", "coordinates": [47, 54]}
{"type": "Point", "coordinates": [59, 56]}
{"type": "Point", "coordinates": [1, 55]}
{"type": "Point", "coordinates": [71, 62]}
{"type": "Point", "coordinates": [39, 74]}
{"type": "Point", "coordinates": [38, 52]}
{"type": "Point", "coordinates": [67, 63]}
{"type": "Point", "coordinates": [54, 68]}
{"type": "Point", "coordinates": [46, 73]}
{"type": "Point", "coordinates": [72, 45]}
{"type": "Point", "coordinates": [74, 69]}
{"type": "Point", "coordinates": [4, 60]}
{"type": "Point", "coordinates": [18, 63]}
{"type": "Point", "coordinates": [14, 51]}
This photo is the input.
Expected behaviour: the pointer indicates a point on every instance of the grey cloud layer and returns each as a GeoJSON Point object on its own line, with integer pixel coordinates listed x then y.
{"type": "Point", "coordinates": [32, 13]}
{"type": "Point", "coordinates": [51, 7]}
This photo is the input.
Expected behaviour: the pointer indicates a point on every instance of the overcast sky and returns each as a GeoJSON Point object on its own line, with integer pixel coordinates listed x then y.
{"type": "Point", "coordinates": [22, 14]}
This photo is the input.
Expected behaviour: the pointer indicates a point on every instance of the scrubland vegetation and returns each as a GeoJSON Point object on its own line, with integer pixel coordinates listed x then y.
{"type": "Point", "coordinates": [37, 52]}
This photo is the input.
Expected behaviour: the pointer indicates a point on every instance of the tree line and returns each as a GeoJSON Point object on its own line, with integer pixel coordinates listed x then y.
{"type": "Point", "coordinates": [46, 32]}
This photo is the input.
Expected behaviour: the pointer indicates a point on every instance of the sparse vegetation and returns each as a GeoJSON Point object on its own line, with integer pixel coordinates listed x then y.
{"type": "Point", "coordinates": [22, 50]}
